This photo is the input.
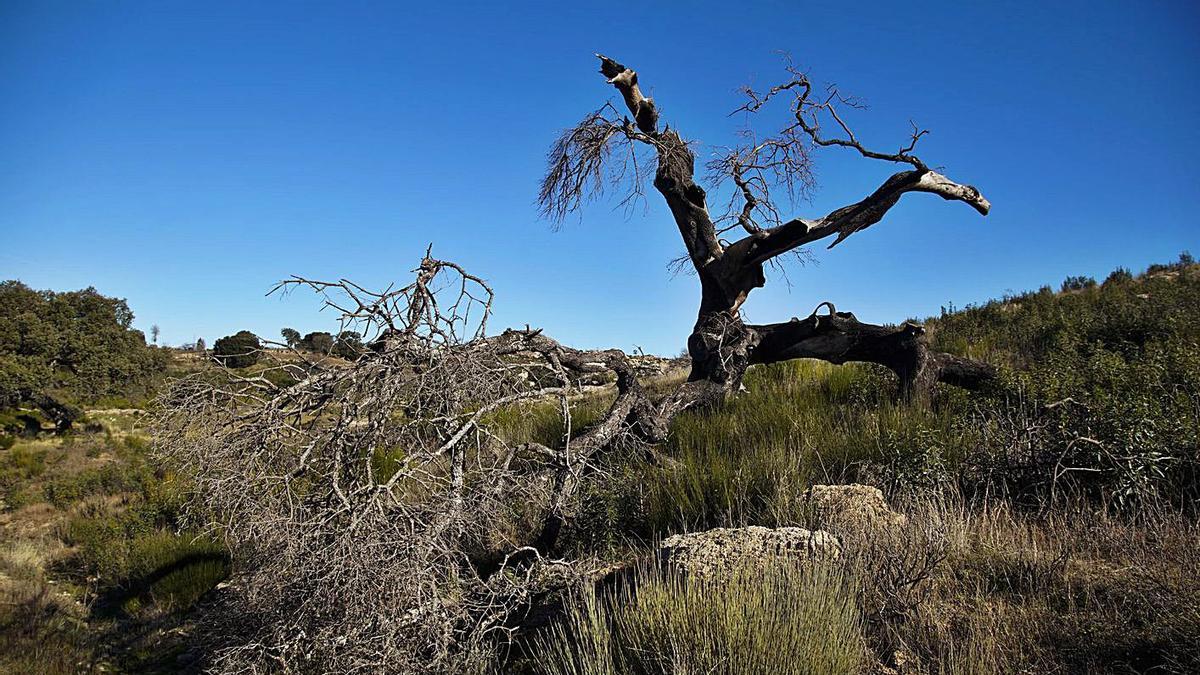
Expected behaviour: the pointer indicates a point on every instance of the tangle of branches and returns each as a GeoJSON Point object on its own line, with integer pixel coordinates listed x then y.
{"type": "Point", "coordinates": [375, 516]}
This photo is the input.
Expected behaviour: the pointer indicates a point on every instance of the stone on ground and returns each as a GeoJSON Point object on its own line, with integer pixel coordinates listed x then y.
{"type": "Point", "coordinates": [723, 550]}
{"type": "Point", "coordinates": [852, 509]}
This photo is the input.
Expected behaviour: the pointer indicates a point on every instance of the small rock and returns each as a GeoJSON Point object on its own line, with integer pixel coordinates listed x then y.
{"type": "Point", "coordinates": [722, 550]}
{"type": "Point", "coordinates": [852, 508]}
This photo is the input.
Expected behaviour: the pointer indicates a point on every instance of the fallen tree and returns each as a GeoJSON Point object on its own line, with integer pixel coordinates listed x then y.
{"type": "Point", "coordinates": [380, 519]}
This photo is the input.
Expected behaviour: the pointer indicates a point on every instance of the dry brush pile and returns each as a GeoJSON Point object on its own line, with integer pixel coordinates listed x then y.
{"type": "Point", "coordinates": [376, 518]}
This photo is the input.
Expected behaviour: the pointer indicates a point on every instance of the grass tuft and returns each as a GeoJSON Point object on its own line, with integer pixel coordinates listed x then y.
{"type": "Point", "coordinates": [784, 619]}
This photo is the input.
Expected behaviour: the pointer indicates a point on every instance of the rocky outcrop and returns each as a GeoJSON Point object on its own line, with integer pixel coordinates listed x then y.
{"type": "Point", "coordinates": [853, 508]}
{"type": "Point", "coordinates": [722, 550]}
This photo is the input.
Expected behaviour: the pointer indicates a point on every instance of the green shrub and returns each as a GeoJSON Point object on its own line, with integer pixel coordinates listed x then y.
{"type": "Point", "coordinates": [240, 350]}
{"type": "Point", "coordinates": [19, 466]}
{"type": "Point", "coordinates": [319, 342]}
{"type": "Point", "coordinates": [79, 346]}
{"type": "Point", "coordinates": [134, 558]}
{"type": "Point", "coordinates": [171, 571]}
{"type": "Point", "coordinates": [1120, 275]}
{"type": "Point", "coordinates": [349, 345]}
{"type": "Point", "coordinates": [542, 422]}
{"type": "Point", "coordinates": [280, 376]}
{"type": "Point", "coordinates": [108, 479]}
{"type": "Point", "coordinates": [385, 462]}
{"type": "Point", "coordinates": [136, 444]}
{"type": "Point", "coordinates": [24, 462]}
{"type": "Point", "coordinates": [1103, 395]}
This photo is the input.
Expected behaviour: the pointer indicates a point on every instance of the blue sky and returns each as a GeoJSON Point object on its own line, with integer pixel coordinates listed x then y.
{"type": "Point", "coordinates": [185, 156]}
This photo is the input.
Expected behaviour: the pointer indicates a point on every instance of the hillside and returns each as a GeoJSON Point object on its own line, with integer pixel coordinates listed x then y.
{"type": "Point", "coordinates": [1051, 521]}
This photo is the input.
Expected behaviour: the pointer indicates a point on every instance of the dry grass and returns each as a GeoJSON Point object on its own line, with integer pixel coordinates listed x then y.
{"type": "Point", "coordinates": [1006, 580]}
{"type": "Point", "coordinates": [42, 630]}
{"type": "Point", "coordinates": [90, 568]}
{"type": "Point", "coordinates": [1076, 590]}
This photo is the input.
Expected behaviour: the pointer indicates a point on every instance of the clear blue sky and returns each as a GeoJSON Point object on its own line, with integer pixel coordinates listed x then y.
{"type": "Point", "coordinates": [185, 156]}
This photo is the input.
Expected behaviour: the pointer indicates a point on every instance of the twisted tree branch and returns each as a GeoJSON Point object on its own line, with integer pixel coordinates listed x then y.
{"type": "Point", "coordinates": [858, 216]}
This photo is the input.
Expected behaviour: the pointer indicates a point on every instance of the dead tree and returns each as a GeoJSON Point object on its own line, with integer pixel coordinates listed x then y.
{"type": "Point", "coordinates": [722, 346]}
{"type": "Point", "coordinates": [377, 514]}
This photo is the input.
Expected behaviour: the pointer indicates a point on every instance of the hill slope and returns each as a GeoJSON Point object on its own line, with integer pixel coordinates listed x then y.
{"type": "Point", "coordinates": [1052, 521]}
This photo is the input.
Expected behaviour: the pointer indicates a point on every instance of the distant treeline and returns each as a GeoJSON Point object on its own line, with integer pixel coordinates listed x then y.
{"type": "Point", "coordinates": [346, 344]}
{"type": "Point", "coordinates": [62, 351]}
{"type": "Point", "coordinates": [242, 349]}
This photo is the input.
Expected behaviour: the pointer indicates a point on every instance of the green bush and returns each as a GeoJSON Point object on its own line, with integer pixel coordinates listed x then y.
{"type": "Point", "coordinates": [135, 566]}
{"type": "Point", "coordinates": [1119, 276]}
{"type": "Point", "coordinates": [349, 345]}
{"type": "Point", "coordinates": [240, 350]}
{"type": "Point", "coordinates": [171, 571]}
{"type": "Point", "coordinates": [280, 375]}
{"type": "Point", "coordinates": [1103, 395]}
{"type": "Point", "coordinates": [1077, 283]}
{"type": "Point", "coordinates": [319, 342]}
{"type": "Point", "coordinates": [19, 466]}
{"type": "Point", "coordinates": [134, 558]}
{"type": "Point", "coordinates": [108, 479]}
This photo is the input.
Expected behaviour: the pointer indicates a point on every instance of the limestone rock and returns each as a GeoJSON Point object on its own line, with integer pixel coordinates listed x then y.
{"type": "Point", "coordinates": [722, 550]}
{"type": "Point", "coordinates": [852, 508]}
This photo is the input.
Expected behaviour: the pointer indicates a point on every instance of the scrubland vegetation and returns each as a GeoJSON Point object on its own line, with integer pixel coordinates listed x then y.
{"type": "Point", "coordinates": [789, 620]}
{"type": "Point", "coordinates": [1051, 521]}
{"type": "Point", "coordinates": [93, 565]}
{"type": "Point", "coordinates": [95, 569]}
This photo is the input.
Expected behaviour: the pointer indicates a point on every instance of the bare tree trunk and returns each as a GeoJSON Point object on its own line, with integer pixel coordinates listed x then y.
{"type": "Point", "coordinates": [838, 337]}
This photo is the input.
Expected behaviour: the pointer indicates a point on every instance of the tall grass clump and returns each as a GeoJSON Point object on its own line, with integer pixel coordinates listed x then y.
{"type": "Point", "coordinates": [40, 632]}
{"type": "Point", "coordinates": [542, 421]}
{"type": "Point", "coordinates": [782, 619]}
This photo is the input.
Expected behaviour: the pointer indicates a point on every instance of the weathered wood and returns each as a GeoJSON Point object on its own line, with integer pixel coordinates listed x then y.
{"type": "Point", "coordinates": [839, 337]}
